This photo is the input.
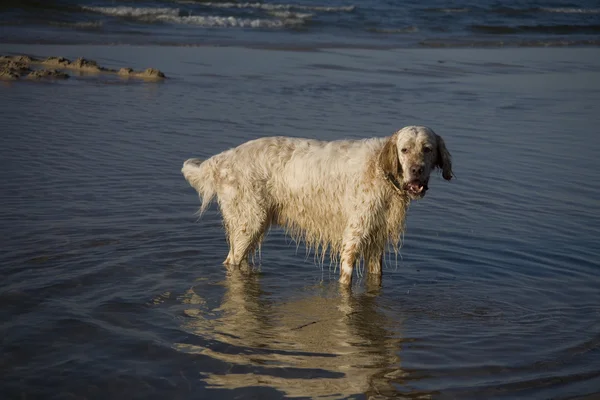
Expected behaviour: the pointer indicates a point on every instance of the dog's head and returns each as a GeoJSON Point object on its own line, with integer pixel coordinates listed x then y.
{"type": "Point", "coordinates": [410, 155]}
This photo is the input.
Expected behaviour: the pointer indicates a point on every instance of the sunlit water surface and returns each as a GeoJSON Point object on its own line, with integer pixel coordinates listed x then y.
{"type": "Point", "coordinates": [111, 287]}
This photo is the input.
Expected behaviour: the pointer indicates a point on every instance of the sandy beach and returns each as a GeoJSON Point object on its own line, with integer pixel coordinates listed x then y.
{"type": "Point", "coordinates": [113, 289]}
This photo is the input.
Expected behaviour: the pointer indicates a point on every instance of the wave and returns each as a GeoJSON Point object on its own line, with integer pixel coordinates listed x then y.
{"type": "Point", "coordinates": [563, 10]}
{"type": "Point", "coordinates": [78, 25]}
{"type": "Point", "coordinates": [516, 11]}
{"type": "Point", "coordinates": [290, 15]}
{"type": "Point", "coordinates": [547, 29]}
{"type": "Point", "coordinates": [211, 21]}
{"type": "Point", "coordinates": [269, 6]}
{"type": "Point", "coordinates": [122, 11]}
{"type": "Point", "coordinates": [449, 10]}
{"type": "Point", "coordinates": [173, 15]}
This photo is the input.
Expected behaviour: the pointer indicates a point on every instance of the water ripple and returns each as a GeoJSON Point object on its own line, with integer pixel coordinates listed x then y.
{"type": "Point", "coordinates": [113, 288]}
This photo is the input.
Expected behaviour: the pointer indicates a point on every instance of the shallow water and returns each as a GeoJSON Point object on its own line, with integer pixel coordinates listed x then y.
{"type": "Point", "coordinates": [111, 288]}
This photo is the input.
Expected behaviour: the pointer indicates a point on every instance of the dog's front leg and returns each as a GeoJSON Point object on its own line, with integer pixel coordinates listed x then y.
{"type": "Point", "coordinates": [350, 252]}
{"type": "Point", "coordinates": [373, 255]}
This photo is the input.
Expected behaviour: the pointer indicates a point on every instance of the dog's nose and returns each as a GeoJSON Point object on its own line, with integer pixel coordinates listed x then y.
{"type": "Point", "coordinates": [416, 170]}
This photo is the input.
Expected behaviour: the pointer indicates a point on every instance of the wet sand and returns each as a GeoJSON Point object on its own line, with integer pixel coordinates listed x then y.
{"type": "Point", "coordinates": [17, 66]}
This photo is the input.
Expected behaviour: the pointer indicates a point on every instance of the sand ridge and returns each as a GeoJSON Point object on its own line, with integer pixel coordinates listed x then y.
{"type": "Point", "coordinates": [23, 66]}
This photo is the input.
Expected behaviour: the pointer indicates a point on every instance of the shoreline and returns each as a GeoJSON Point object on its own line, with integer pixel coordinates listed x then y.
{"type": "Point", "coordinates": [284, 47]}
{"type": "Point", "coordinates": [426, 44]}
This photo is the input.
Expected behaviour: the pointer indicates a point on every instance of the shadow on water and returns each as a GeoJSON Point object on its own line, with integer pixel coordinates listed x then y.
{"type": "Point", "coordinates": [331, 343]}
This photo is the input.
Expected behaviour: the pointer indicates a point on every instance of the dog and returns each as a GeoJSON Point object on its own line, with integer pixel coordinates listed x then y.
{"type": "Point", "coordinates": [346, 196]}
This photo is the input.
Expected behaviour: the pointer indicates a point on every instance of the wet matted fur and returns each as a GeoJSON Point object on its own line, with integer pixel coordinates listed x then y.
{"type": "Point", "coordinates": [347, 196]}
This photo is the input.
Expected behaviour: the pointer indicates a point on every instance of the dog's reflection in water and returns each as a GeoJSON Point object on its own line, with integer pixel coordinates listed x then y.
{"type": "Point", "coordinates": [324, 342]}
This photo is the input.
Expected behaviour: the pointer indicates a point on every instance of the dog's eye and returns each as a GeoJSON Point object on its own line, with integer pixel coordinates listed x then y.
{"type": "Point", "coordinates": [404, 150]}
{"type": "Point", "coordinates": [427, 149]}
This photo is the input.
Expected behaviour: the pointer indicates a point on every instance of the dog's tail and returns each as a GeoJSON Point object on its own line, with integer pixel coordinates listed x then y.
{"type": "Point", "coordinates": [199, 175]}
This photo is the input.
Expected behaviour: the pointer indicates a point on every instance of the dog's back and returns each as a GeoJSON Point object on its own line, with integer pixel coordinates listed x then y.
{"type": "Point", "coordinates": [307, 186]}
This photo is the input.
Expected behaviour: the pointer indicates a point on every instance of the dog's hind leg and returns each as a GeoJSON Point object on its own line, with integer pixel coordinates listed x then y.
{"type": "Point", "coordinates": [246, 222]}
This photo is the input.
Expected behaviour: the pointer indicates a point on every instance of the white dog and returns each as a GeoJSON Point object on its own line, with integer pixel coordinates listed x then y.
{"type": "Point", "coordinates": [348, 196]}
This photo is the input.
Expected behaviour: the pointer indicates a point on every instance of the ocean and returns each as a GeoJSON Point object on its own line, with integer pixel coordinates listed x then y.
{"type": "Point", "coordinates": [111, 287]}
{"type": "Point", "coordinates": [304, 23]}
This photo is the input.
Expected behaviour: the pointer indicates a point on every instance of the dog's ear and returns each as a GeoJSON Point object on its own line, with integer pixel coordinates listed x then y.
{"type": "Point", "coordinates": [444, 160]}
{"type": "Point", "coordinates": [388, 159]}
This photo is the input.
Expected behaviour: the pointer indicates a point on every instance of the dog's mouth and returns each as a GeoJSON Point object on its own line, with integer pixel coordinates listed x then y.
{"type": "Point", "coordinates": [416, 188]}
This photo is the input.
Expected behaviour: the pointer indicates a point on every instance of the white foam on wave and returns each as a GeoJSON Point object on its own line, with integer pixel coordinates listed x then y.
{"type": "Point", "coordinates": [269, 6]}
{"type": "Point", "coordinates": [566, 10]}
{"type": "Point", "coordinates": [122, 11]}
{"type": "Point", "coordinates": [290, 15]}
{"type": "Point", "coordinates": [172, 15]}
{"type": "Point", "coordinates": [229, 22]}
